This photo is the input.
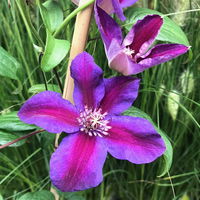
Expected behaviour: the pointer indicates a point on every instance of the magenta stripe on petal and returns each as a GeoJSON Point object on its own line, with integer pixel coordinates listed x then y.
{"type": "Point", "coordinates": [77, 163]}
{"type": "Point", "coordinates": [120, 93]}
{"type": "Point", "coordinates": [162, 53]}
{"type": "Point", "coordinates": [88, 79]}
{"type": "Point", "coordinates": [134, 139]}
{"type": "Point", "coordinates": [50, 111]}
{"type": "Point", "coordinates": [143, 33]}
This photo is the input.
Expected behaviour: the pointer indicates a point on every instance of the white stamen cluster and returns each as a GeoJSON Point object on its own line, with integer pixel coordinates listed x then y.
{"type": "Point", "coordinates": [92, 122]}
{"type": "Point", "coordinates": [128, 51]}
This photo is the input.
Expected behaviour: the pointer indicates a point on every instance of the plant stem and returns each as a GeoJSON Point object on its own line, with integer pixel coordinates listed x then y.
{"type": "Point", "coordinates": [73, 14]}
{"type": "Point", "coordinates": [21, 138]}
{"type": "Point", "coordinates": [58, 79]}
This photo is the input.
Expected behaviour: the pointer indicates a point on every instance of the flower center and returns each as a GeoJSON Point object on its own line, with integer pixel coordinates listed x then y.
{"type": "Point", "coordinates": [92, 122]}
{"type": "Point", "coordinates": [128, 51]}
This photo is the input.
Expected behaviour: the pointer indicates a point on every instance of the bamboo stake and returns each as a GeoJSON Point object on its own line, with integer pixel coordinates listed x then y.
{"type": "Point", "coordinates": [78, 45]}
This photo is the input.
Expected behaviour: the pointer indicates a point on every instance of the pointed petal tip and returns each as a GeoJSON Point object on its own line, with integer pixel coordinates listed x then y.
{"type": "Point", "coordinates": [77, 163]}
{"type": "Point", "coordinates": [134, 139]}
{"type": "Point", "coordinates": [88, 81]}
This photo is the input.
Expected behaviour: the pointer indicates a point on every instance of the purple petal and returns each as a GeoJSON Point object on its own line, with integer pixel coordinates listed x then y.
{"type": "Point", "coordinates": [162, 53]}
{"type": "Point", "coordinates": [127, 3]}
{"type": "Point", "coordinates": [120, 93]}
{"type": "Point", "coordinates": [108, 28]}
{"type": "Point", "coordinates": [88, 79]}
{"type": "Point", "coordinates": [134, 139]}
{"type": "Point", "coordinates": [143, 34]}
{"type": "Point", "coordinates": [118, 9]}
{"type": "Point", "coordinates": [115, 6]}
{"type": "Point", "coordinates": [120, 61]}
{"type": "Point", "coordinates": [77, 163]}
{"type": "Point", "coordinates": [51, 112]}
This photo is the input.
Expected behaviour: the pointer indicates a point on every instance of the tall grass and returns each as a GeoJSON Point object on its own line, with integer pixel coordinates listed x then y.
{"type": "Point", "coordinates": [169, 93]}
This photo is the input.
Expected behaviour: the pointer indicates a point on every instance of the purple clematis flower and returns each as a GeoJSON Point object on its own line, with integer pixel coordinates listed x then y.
{"type": "Point", "coordinates": [134, 54]}
{"type": "Point", "coordinates": [94, 126]}
{"type": "Point", "coordinates": [113, 6]}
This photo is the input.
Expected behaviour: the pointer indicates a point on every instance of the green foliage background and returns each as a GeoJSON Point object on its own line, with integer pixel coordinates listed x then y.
{"type": "Point", "coordinates": [169, 93]}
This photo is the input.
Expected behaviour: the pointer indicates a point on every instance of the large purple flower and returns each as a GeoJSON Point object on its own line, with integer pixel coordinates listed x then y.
{"type": "Point", "coordinates": [135, 53]}
{"type": "Point", "coordinates": [113, 6]}
{"type": "Point", "coordinates": [94, 125]}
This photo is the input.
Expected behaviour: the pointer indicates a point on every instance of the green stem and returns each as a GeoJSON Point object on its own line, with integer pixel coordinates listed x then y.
{"type": "Point", "coordinates": [71, 15]}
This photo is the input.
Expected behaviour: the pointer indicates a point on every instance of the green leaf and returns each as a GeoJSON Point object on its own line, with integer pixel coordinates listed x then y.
{"type": "Point", "coordinates": [71, 195]}
{"type": "Point", "coordinates": [6, 137]}
{"type": "Point", "coordinates": [1, 198]}
{"type": "Point", "coordinates": [55, 51]}
{"type": "Point", "coordinates": [41, 87]}
{"type": "Point", "coordinates": [52, 14]}
{"type": "Point", "coordinates": [170, 31]}
{"type": "Point", "coordinates": [40, 195]}
{"type": "Point", "coordinates": [11, 122]}
{"type": "Point", "coordinates": [168, 155]}
{"type": "Point", "coordinates": [9, 66]}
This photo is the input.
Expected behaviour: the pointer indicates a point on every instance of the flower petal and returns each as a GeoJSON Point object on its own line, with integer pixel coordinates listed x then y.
{"type": "Point", "coordinates": [120, 93]}
{"type": "Point", "coordinates": [134, 139]}
{"type": "Point", "coordinates": [143, 34]}
{"type": "Point", "coordinates": [108, 28]}
{"type": "Point", "coordinates": [162, 53]}
{"type": "Point", "coordinates": [120, 61]}
{"type": "Point", "coordinates": [115, 6]}
{"type": "Point", "coordinates": [118, 9]}
{"type": "Point", "coordinates": [50, 111]}
{"type": "Point", "coordinates": [77, 163]}
{"type": "Point", "coordinates": [88, 79]}
{"type": "Point", "coordinates": [127, 3]}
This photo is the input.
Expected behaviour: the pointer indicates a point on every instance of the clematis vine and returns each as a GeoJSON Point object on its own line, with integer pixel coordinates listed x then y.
{"type": "Point", "coordinates": [135, 53]}
{"type": "Point", "coordinates": [94, 126]}
{"type": "Point", "coordinates": [113, 6]}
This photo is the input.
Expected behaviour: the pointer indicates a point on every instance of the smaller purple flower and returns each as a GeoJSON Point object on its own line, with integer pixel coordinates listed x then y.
{"type": "Point", "coordinates": [94, 126]}
{"type": "Point", "coordinates": [113, 6]}
{"type": "Point", "coordinates": [135, 53]}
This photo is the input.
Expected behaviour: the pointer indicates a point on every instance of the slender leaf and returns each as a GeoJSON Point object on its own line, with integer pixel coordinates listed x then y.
{"type": "Point", "coordinates": [11, 122]}
{"type": "Point", "coordinates": [41, 87]}
{"type": "Point", "coordinates": [6, 137]}
{"type": "Point", "coordinates": [168, 155]}
{"type": "Point", "coordinates": [170, 31]}
{"type": "Point", "coordinates": [55, 51]}
{"type": "Point", "coordinates": [9, 66]}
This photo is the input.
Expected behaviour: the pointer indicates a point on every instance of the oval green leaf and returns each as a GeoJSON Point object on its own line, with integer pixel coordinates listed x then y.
{"type": "Point", "coordinates": [40, 195]}
{"type": "Point", "coordinates": [168, 155]}
{"type": "Point", "coordinates": [55, 51]}
{"type": "Point", "coordinates": [169, 32]}
{"type": "Point", "coordinates": [9, 66]}
{"type": "Point", "coordinates": [52, 14]}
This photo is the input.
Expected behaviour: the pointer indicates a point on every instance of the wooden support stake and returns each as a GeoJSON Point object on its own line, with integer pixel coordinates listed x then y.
{"type": "Point", "coordinates": [78, 45]}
